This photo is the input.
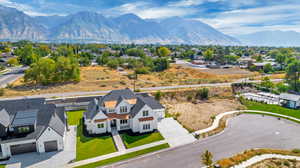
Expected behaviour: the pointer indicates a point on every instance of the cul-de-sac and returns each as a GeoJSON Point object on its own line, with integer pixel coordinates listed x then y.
{"type": "Point", "coordinates": [149, 84]}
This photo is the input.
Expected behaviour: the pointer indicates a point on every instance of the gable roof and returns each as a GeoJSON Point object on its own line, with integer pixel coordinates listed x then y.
{"type": "Point", "coordinates": [115, 94]}
{"type": "Point", "coordinates": [137, 107]}
{"type": "Point", "coordinates": [4, 119]}
{"type": "Point", "coordinates": [48, 115]}
{"type": "Point", "coordinates": [150, 101]}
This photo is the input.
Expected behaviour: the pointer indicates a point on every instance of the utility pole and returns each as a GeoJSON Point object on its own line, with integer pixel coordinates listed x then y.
{"type": "Point", "coordinates": [134, 82]}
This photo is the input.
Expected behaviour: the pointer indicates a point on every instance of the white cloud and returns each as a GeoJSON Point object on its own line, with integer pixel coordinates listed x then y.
{"type": "Point", "coordinates": [255, 19]}
{"type": "Point", "coordinates": [147, 10]}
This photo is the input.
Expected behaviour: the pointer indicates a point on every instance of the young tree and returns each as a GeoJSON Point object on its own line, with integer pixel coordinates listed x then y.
{"type": "Point", "coordinates": [207, 158]}
{"type": "Point", "coordinates": [13, 62]}
{"type": "Point", "coordinates": [268, 68]}
{"type": "Point", "coordinates": [267, 83]}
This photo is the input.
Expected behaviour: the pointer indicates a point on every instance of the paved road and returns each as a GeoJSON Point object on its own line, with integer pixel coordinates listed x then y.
{"type": "Point", "coordinates": [92, 93]}
{"type": "Point", "coordinates": [11, 76]}
{"type": "Point", "coordinates": [244, 132]}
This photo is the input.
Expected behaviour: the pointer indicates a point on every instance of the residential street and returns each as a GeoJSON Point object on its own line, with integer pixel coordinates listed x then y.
{"type": "Point", "coordinates": [11, 76]}
{"type": "Point", "coordinates": [244, 132]}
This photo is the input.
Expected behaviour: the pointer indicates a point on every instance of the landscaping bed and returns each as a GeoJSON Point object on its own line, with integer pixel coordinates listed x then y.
{"type": "Point", "coordinates": [277, 163]}
{"type": "Point", "coordinates": [133, 140]}
{"type": "Point", "coordinates": [124, 157]}
{"type": "Point", "coordinates": [239, 158]}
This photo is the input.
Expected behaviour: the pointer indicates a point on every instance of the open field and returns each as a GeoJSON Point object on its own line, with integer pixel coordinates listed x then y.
{"type": "Point", "coordinates": [196, 114]}
{"type": "Point", "coordinates": [132, 141]}
{"type": "Point", "coordinates": [102, 78]}
{"type": "Point", "coordinates": [277, 163]}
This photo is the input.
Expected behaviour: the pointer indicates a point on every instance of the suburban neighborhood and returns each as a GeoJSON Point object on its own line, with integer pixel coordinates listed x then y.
{"type": "Point", "coordinates": [149, 84]}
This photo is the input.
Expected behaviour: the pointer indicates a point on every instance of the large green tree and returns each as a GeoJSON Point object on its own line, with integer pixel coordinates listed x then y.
{"type": "Point", "coordinates": [163, 52]}
{"type": "Point", "coordinates": [293, 75]}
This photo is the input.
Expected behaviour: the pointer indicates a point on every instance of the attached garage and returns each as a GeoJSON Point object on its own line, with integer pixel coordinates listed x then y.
{"type": "Point", "coordinates": [50, 146]}
{"type": "Point", "coordinates": [23, 148]}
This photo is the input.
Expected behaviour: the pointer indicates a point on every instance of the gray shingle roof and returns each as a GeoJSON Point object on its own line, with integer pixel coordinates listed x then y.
{"type": "Point", "coordinates": [151, 102]}
{"type": "Point", "coordinates": [115, 94]}
{"type": "Point", "coordinates": [137, 107]}
{"type": "Point", "coordinates": [48, 115]}
{"type": "Point", "coordinates": [287, 96]}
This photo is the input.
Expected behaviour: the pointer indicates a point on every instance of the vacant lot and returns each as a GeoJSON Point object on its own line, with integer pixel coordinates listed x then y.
{"type": "Point", "coordinates": [102, 78]}
{"type": "Point", "coordinates": [196, 116]}
{"type": "Point", "coordinates": [277, 163]}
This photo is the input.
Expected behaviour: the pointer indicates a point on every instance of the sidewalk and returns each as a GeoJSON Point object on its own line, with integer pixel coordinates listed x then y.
{"type": "Point", "coordinates": [103, 157]}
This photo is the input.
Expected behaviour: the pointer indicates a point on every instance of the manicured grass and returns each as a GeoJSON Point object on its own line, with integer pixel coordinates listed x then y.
{"type": "Point", "coordinates": [89, 147]}
{"type": "Point", "coordinates": [124, 157]}
{"type": "Point", "coordinates": [137, 140]}
{"type": "Point", "coordinates": [74, 117]}
{"type": "Point", "coordinates": [2, 166]}
{"type": "Point", "coordinates": [271, 108]}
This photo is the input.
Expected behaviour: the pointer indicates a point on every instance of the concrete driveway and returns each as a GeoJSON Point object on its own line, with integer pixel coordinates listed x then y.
{"type": "Point", "coordinates": [174, 133]}
{"type": "Point", "coordinates": [244, 132]}
{"type": "Point", "coordinates": [47, 160]}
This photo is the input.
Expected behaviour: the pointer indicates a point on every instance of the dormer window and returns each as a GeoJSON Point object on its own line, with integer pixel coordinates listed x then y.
{"type": "Point", "coordinates": [123, 109]}
{"type": "Point", "coordinates": [145, 113]}
{"type": "Point", "coordinates": [111, 110]}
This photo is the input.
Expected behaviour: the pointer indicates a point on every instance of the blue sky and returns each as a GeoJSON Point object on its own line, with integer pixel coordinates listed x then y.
{"type": "Point", "coordinates": [229, 16]}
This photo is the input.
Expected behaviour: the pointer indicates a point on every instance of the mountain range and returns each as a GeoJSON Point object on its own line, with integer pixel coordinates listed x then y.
{"type": "Point", "coordinates": [94, 27]}
{"type": "Point", "coordinates": [271, 38]}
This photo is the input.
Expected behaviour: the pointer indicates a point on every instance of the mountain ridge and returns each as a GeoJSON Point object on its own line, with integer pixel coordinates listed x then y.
{"type": "Point", "coordinates": [93, 27]}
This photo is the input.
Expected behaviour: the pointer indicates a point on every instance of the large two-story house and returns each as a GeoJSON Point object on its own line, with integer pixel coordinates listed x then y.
{"type": "Point", "coordinates": [123, 110]}
{"type": "Point", "coordinates": [30, 125]}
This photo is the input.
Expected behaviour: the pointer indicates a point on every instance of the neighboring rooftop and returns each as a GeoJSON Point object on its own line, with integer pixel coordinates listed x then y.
{"type": "Point", "coordinates": [288, 96]}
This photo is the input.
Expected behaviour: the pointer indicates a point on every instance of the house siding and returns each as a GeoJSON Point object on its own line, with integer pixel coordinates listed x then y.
{"type": "Point", "coordinates": [49, 135]}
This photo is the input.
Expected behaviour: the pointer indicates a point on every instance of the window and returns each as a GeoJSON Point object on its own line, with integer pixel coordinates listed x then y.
{"type": "Point", "coordinates": [146, 126]}
{"type": "Point", "coordinates": [123, 109]}
{"type": "Point", "coordinates": [145, 113]}
{"type": "Point", "coordinates": [111, 110]}
{"type": "Point", "coordinates": [23, 129]}
{"type": "Point", "coordinates": [101, 125]}
{"type": "Point", "coordinates": [123, 121]}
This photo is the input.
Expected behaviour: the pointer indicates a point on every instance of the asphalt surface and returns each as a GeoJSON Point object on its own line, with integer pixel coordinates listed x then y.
{"type": "Point", "coordinates": [11, 76]}
{"type": "Point", "coordinates": [244, 132]}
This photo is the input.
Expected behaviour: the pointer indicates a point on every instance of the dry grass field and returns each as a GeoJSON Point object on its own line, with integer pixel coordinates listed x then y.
{"type": "Point", "coordinates": [196, 115]}
{"type": "Point", "coordinates": [277, 163]}
{"type": "Point", "coordinates": [102, 78]}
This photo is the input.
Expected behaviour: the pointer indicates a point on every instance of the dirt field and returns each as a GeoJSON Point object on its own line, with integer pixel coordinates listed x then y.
{"type": "Point", "coordinates": [199, 116]}
{"type": "Point", "coordinates": [102, 78]}
{"type": "Point", "coordinates": [277, 163]}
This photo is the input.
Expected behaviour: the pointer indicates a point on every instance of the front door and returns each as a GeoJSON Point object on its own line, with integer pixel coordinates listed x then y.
{"type": "Point", "coordinates": [113, 123]}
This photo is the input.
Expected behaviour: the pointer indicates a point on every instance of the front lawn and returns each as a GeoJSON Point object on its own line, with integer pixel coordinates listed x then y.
{"type": "Point", "coordinates": [89, 147]}
{"type": "Point", "coordinates": [124, 157]}
{"type": "Point", "coordinates": [74, 117]}
{"type": "Point", "coordinates": [271, 108]}
{"type": "Point", "coordinates": [2, 166]}
{"type": "Point", "coordinates": [131, 141]}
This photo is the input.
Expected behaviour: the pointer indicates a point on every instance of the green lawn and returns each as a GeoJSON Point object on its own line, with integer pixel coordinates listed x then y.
{"type": "Point", "coordinates": [89, 147]}
{"type": "Point", "coordinates": [124, 157]}
{"type": "Point", "coordinates": [74, 117]}
{"type": "Point", "coordinates": [138, 140]}
{"type": "Point", "coordinates": [271, 108]}
{"type": "Point", "coordinates": [2, 166]}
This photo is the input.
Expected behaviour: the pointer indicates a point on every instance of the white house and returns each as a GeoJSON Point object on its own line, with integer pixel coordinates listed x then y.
{"type": "Point", "coordinates": [30, 125]}
{"type": "Point", "coordinates": [123, 110]}
{"type": "Point", "coordinates": [290, 100]}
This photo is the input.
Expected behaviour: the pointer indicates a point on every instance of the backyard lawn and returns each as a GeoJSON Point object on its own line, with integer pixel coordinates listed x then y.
{"type": "Point", "coordinates": [271, 108]}
{"type": "Point", "coordinates": [89, 147]}
{"type": "Point", "coordinates": [137, 140]}
{"type": "Point", "coordinates": [74, 117]}
{"type": "Point", "coordinates": [124, 157]}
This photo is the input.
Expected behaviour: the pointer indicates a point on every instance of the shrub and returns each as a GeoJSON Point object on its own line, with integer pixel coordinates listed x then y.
{"type": "Point", "coordinates": [296, 150]}
{"type": "Point", "coordinates": [202, 93]}
{"type": "Point", "coordinates": [158, 95]}
{"type": "Point", "coordinates": [143, 70]}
